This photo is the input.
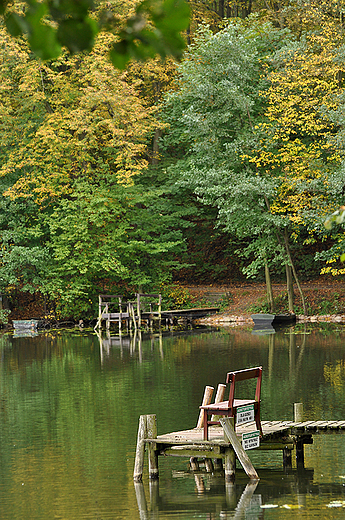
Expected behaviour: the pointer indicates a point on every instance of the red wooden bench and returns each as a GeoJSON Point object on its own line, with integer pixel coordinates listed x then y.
{"type": "Point", "coordinates": [229, 408]}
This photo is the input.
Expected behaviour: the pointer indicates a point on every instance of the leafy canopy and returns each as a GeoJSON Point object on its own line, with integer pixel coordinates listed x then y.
{"type": "Point", "coordinates": [148, 28]}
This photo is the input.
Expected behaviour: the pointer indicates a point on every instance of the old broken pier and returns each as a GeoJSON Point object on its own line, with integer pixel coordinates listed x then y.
{"type": "Point", "coordinates": [224, 444]}
{"type": "Point", "coordinates": [146, 308]}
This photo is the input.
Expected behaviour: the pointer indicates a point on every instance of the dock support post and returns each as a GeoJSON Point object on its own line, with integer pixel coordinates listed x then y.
{"type": "Point", "coordinates": [194, 464]}
{"type": "Point", "coordinates": [287, 459]}
{"type": "Point", "coordinates": [206, 400]}
{"type": "Point", "coordinates": [298, 417]}
{"type": "Point", "coordinates": [299, 453]}
{"type": "Point", "coordinates": [231, 437]}
{"type": "Point", "coordinates": [298, 412]}
{"type": "Point", "coordinates": [209, 465]}
{"type": "Point", "coordinates": [140, 451]}
{"type": "Point", "coordinates": [230, 465]}
{"type": "Point", "coordinates": [218, 464]}
{"type": "Point", "coordinates": [152, 448]}
{"type": "Point", "coordinates": [230, 456]}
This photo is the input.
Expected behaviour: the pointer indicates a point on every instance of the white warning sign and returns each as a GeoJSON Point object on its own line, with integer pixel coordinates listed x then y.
{"type": "Point", "coordinates": [251, 440]}
{"type": "Point", "coordinates": [245, 414]}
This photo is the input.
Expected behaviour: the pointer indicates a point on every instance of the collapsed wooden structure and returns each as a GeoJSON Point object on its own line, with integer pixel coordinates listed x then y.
{"type": "Point", "coordinates": [145, 308]}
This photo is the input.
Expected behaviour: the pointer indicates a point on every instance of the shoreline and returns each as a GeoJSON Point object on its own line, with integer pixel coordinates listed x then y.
{"type": "Point", "coordinates": [226, 319]}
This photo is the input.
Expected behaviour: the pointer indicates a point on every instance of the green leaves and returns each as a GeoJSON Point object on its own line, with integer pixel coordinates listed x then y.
{"type": "Point", "coordinates": [77, 35]}
{"type": "Point", "coordinates": [3, 5]}
{"type": "Point", "coordinates": [155, 28]}
{"type": "Point", "coordinates": [338, 217]}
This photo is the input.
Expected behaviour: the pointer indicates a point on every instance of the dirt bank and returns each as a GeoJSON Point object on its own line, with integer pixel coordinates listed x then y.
{"type": "Point", "coordinates": [325, 300]}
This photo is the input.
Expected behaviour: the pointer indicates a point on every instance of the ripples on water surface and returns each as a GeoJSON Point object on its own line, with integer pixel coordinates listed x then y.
{"type": "Point", "coordinates": [69, 410]}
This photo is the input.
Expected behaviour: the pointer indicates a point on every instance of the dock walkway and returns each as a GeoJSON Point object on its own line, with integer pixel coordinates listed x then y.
{"type": "Point", "coordinates": [277, 435]}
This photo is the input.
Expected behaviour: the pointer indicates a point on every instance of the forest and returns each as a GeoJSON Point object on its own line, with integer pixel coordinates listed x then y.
{"type": "Point", "coordinates": [214, 164]}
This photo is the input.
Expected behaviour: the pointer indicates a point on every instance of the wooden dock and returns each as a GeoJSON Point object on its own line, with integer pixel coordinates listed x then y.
{"type": "Point", "coordinates": [218, 450]}
{"type": "Point", "coordinates": [146, 308]}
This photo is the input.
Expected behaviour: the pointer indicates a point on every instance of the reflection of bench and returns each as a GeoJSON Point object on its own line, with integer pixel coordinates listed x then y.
{"type": "Point", "coordinates": [229, 408]}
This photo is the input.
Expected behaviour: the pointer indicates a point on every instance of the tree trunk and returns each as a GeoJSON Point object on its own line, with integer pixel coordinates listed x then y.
{"type": "Point", "coordinates": [269, 288]}
{"type": "Point", "coordinates": [287, 248]}
{"type": "Point", "coordinates": [289, 287]}
{"type": "Point", "coordinates": [155, 146]}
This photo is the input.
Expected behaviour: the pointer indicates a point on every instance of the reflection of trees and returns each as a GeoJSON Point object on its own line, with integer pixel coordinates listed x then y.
{"type": "Point", "coordinates": [335, 375]}
{"type": "Point", "coordinates": [66, 415]}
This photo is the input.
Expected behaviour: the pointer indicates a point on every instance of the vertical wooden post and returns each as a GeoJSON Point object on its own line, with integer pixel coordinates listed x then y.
{"type": "Point", "coordinates": [218, 464]}
{"type": "Point", "coordinates": [133, 316]}
{"type": "Point", "coordinates": [299, 453]}
{"type": "Point", "coordinates": [160, 309]}
{"type": "Point", "coordinates": [100, 311]}
{"type": "Point", "coordinates": [231, 437]}
{"type": "Point", "coordinates": [298, 412]}
{"type": "Point", "coordinates": [107, 312]}
{"type": "Point", "coordinates": [298, 417]}
{"type": "Point", "coordinates": [209, 465]}
{"type": "Point", "coordinates": [194, 464]}
{"type": "Point", "coordinates": [120, 315]}
{"type": "Point", "coordinates": [206, 400]}
{"type": "Point", "coordinates": [230, 457]}
{"type": "Point", "coordinates": [140, 451]}
{"type": "Point", "coordinates": [138, 310]}
{"type": "Point", "coordinates": [230, 465]}
{"type": "Point", "coordinates": [219, 398]}
{"type": "Point", "coordinates": [152, 447]}
{"type": "Point", "coordinates": [287, 460]}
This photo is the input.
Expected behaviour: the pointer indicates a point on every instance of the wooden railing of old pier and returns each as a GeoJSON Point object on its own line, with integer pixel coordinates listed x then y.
{"type": "Point", "coordinates": [112, 308]}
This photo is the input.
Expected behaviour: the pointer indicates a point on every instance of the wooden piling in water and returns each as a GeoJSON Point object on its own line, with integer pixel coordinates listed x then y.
{"type": "Point", "coordinates": [140, 451]}
{"type": "Point", "coordinates": [229, 433]}
{"type": "Point", "coordinates": [298, 417]}
{"type": "Point", "coordinates": [219, 398]}
{"type": "Point", "coordinates": [151, 421]}
{"type": "Point", "coordinates": [206, 400]}
{"type": "Point", "coordinates": [298, 412]}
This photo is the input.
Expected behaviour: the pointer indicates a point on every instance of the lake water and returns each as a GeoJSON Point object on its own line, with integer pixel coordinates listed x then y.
{"type": "Point", "coordinates": [69, 411]}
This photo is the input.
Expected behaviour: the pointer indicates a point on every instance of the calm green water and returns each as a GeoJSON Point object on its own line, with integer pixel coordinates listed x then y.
{"type": "Point", "coordinates": [69, 410]}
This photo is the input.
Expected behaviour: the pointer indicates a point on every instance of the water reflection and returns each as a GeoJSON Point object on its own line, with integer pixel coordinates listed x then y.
{"type": "Point", "coordinates": [133, 341]}
{"type": "Point", "coordinates": [70, 403]}
{"type": "Point", "coordinates": [235, 508]}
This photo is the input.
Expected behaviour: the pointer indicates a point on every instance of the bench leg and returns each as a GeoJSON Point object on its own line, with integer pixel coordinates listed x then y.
{"type": "Point", "coordinates": [205, 426]}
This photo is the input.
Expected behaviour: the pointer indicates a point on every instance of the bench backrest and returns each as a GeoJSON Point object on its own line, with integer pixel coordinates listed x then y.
{"type": "Point", "coordinates": [242, 375]}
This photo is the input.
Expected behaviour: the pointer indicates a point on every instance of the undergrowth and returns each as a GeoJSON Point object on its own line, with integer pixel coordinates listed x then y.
{"type": "Point", "coordinates": [317, 303]}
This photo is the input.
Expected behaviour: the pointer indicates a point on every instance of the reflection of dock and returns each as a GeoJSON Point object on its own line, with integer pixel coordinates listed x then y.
{"type": "Point", "coordinates": [245, 504]}
{"type": "Point", "coordinates": [241, 500]}
{"type": "Point", "coordinates": [133, 341]}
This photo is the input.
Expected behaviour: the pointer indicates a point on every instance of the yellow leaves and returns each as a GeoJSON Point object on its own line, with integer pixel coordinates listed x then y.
{"type": "Point", "coordinates": [335, 375]}
{"type": "Point", "coordinates": [86, 121]}
{"type": "Point", "coordinates": [295, 138]}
